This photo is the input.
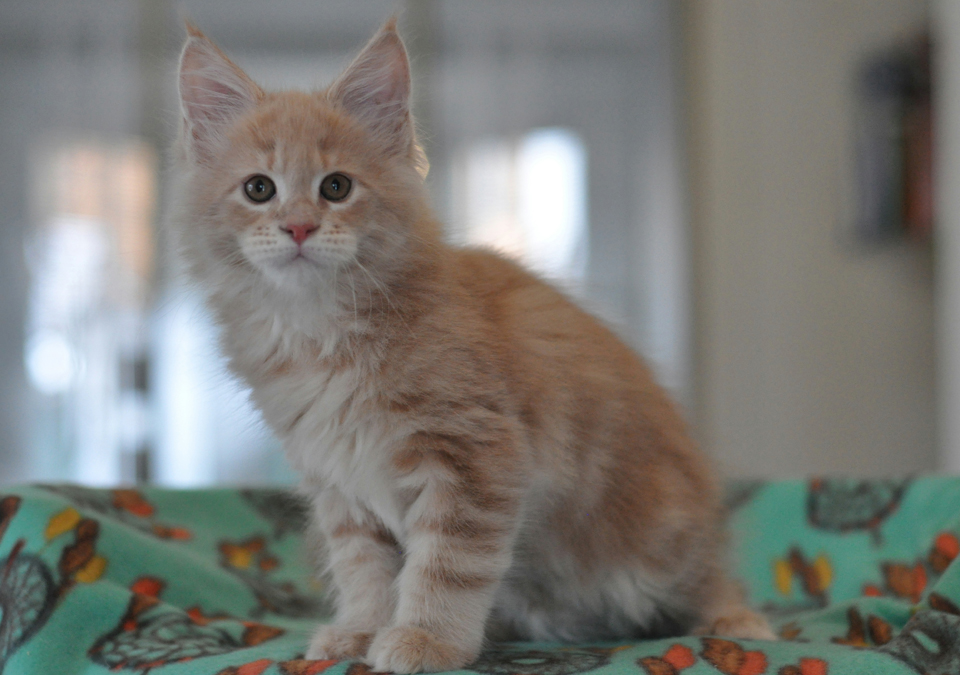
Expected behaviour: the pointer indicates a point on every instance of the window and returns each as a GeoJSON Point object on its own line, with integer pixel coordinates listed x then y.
{"type": "Point", "coordinates": [527, 199]}
{"type": "Point", "coordinates": [91, 261]}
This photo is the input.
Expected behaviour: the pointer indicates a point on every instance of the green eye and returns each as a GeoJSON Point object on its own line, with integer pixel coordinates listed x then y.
{"type": "Point", "coordinates": [259, 189]}
{"type": "Point", "coordinates": [335, 187]}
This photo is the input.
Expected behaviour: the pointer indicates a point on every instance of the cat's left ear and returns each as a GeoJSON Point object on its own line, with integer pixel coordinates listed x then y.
{"type": "Point", "coordinates": [375, 89]}
{"type": "Point", "coordinates": [213, 93]}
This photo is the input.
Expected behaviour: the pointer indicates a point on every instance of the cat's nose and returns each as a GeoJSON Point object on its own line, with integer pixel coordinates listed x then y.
{"type": "Point", "coordinates": [299, 231]}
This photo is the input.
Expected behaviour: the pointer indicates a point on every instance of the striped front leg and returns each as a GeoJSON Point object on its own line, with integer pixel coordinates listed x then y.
{"type": "Point", "coordinates": [460, 535]}
{"type": "Point", "coordinates": [364, 560]}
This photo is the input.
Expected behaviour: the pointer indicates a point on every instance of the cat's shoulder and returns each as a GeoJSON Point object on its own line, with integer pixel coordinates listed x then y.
{"type": "Point", "coordinates": [510, 293]}
{"type": "Point", "coordinates": [472, 261]}
{"type": "Point", "coordinates": [486, 272]}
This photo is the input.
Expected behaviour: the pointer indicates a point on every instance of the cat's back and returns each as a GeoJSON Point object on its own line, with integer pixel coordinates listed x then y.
{"type": "Point", "coordinates": [600, 425]}
{"type": "Point", "coordinates": [571, 376]}
{"type": "Point", "coordinates": [516, 299]}
{"type": "Point", "coordinates": [539, 323]}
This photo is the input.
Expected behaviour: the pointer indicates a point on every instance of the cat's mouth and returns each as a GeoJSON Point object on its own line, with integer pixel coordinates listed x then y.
{"type": "Point", "coordinates": [298, 263]}
{"type": "Point", "coordinates": [301, 259]}
{"type": "Point", "coordinates": [311, 257]}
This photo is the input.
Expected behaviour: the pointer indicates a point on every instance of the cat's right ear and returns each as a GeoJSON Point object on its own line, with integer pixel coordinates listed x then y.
{"type": "Point", "coordinates": [213, 93]}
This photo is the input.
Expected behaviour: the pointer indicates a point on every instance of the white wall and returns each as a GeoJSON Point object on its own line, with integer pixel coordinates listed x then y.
{"type": "Point", "coordinates": [813, 354]}
{"type": "Point", "coordinates": [946, 17]}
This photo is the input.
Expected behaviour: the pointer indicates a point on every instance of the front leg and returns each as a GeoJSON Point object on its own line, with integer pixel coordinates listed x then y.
{"type": "Point", "coordinates": [363, 559]}
{"type": "Point", "coordinates": [460, 535]}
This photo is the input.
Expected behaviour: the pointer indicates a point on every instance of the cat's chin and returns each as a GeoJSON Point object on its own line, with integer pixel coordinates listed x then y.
{"type": "Point", "coordinates": [299, 274]}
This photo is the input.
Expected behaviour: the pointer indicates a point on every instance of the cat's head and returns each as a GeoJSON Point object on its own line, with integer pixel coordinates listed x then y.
{"type": "Point", "coordinates": [288, 189]}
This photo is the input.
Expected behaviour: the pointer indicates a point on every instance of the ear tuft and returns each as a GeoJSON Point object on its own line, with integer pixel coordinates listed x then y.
{"type": "Point", "coordinates": [375, 89]}
{"type": "Point", "coordinates": [213, 92]}
{"type": "Point", "coordinates": [193, 31]}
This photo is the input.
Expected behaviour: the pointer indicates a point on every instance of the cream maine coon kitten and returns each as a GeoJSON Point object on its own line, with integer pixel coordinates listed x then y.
{"type": "Point", "coordinates": [483, 457]}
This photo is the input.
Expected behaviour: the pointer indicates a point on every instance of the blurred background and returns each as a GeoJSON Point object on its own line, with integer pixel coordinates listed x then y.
{"type": "Point", "coordinates": [745, 190]}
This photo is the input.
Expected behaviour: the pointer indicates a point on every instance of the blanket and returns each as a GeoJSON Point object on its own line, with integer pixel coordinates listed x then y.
{"type": "Point", "coordinates": [857, 576]}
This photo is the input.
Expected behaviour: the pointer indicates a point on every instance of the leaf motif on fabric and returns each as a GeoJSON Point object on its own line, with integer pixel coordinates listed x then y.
{"type": "Point", "coordinates": [92, 571]}
{"type": "Point", "coordinates": [881, 632]}
{"type": "Point", "coordinates": [61, 522]}
{"type": "Point", "coordinates": [305, 667]}
{"type": "Point", "coordinates": [132, 502]}
{"type": "Point", "coordinates": [677, 658]}
{"type": "Point", "coordinates": [807, 666]}
{"type": "Point", "coordinates": [730, 658]}
{"type": "Point", "coordinates": [815, 576]}
{"type": "Point", "coordinates": [152, 633]}
{"type": "Point", "coordinates": [240, 556]}
{"type": "Point", "coordinates": [28, 595]}
{"type": "Point", "coordinates": [856, 632]}
{"type": "Point", "coordinates": [872, 632]}
{"type": "Point", "coordinates": [360, 669]}
{"type": "Point", "coordinates": [9, 506]}
{"type": "Point", "coordinates": [540, 662]}
{"type": "Point", "coordinates": [127, 506]}
{"type": "Point", "coordinates": [790, 631]}
{"type": "Point", "coordinates": [291, 667]}
{"type": "Point", "coordinates": [942, 604]}
{"type": "Point", "coordinates": [78, 554]}
{"type": "Point", "coordinates": [252, 668]}
{"type": "Point", "coordinates": [845, 505]}
{"type": "Point", "coordinates": [251, 561]}
{"type": "Point", "coordinates": [944, 551]}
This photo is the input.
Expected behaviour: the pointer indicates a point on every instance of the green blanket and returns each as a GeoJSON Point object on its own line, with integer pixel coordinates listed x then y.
{"type": "Point", "coordinates": [858, 577]}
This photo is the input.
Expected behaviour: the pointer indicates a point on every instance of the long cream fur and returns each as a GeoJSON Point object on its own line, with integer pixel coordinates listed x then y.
{"type": "Point", "coordinates": [483, 458]}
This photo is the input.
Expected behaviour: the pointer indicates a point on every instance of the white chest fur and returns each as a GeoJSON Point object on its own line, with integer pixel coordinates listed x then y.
{"type": "Point", "coordinates": [335, 434]}
{"type": "Point", "coordinates": [333, 430]}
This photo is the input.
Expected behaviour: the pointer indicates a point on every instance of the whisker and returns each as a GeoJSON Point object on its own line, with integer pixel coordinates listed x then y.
{"type": "Point", "coordinates": [386, 295]}
{"type": "Point", "coordinates": [353, 289]}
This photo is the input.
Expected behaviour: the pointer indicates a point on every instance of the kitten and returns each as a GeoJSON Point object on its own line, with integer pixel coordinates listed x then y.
{"type": "Point", "coordinates": [482, 456]}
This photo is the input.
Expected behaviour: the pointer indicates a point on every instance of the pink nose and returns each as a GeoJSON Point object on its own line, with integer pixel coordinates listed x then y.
{"type": "Point", "coordinates": [299, 231]}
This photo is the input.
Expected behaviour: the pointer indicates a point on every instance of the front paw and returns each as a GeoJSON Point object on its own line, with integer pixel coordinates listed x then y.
{"type": "Point", "coordinates": [408, 649]}
{"type": "Point", "coordinates": [743, 624]}
{"type": "Point", "coordinates": [334, 642]}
